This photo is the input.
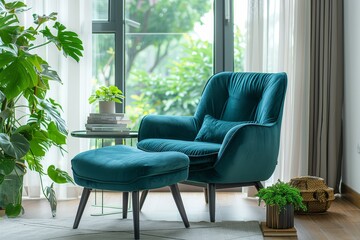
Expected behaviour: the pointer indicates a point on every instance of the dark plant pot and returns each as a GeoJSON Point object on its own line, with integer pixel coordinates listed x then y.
{"type": "Point", "coordinates": [11, 188]}
{"type": "Point", "coordinates": [280, 219]}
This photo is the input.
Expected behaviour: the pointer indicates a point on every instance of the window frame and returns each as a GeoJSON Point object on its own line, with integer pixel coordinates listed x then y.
{"type": "Point", "coordinates": [115, 25]}
{"type": "Point", "coordinates": [223, 48]}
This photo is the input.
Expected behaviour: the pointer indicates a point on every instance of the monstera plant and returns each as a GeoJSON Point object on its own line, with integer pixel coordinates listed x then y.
{"type": "Point", "coordinates": [30, 121]}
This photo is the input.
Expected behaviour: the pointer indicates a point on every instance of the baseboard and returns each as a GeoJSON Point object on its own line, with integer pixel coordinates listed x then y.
{"type": "Point", "coordinates": [351, 195]}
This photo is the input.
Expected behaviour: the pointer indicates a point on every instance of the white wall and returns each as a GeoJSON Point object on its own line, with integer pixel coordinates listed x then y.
{"type": "Point", "coordinates": [351, 176]}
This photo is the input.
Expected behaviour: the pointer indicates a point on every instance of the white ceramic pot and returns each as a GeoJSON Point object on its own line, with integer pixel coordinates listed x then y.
{"type": "Point", "coordinates": [106, 107]}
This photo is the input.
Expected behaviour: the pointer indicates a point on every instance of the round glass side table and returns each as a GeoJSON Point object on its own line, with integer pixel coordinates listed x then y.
{"type": "Point", "coordinates": [124, 138]}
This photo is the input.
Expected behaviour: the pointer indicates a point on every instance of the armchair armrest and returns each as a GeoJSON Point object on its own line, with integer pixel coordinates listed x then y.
{"type": "Point", "coordinates": [169, 127]}
{"type": "Point", "coordinates": [249, 152]}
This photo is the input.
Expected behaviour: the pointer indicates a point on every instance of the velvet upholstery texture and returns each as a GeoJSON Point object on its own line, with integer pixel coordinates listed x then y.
{"type": "Point", "coordinates": [214, 130]}
{"type": "Point", "coordinates": [124, 168]}
{"type": "Point", "coordinates": [202, 154]}
{"type": "Point", "coordinates": [242, 112]}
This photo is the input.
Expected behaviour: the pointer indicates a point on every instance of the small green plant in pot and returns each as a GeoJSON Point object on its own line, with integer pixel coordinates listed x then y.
{"type": "Point", "coordinates": [30, 121]}
{"type": "Point", "coordinates": [280, 199]}
{"type": "Point", "coordinates": [107, 97]}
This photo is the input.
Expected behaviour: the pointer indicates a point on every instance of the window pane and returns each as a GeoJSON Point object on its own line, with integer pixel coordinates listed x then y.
{"type": "Point", "coordinates": [103, 61]}
{"type": "Point", "coordinates": [240, 16]}
{"type": "Point", "coordinates": [100, 10]}
{"type": "Point", "coordinates": [169, 57]}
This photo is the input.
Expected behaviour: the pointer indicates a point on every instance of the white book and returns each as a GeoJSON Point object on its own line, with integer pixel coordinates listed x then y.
{"type": "Point", "coordinates": [107, 115]}
{"type": "Point", "coordinates": [108, 129]}
{"type": "Point", "coordinates": [120, 125]}
{"type": "Point", "coordinates": [91, 120]}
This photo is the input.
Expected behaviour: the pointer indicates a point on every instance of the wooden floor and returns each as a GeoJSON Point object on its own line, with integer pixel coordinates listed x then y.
{"type": "Point", "coordinates": [342, 221]}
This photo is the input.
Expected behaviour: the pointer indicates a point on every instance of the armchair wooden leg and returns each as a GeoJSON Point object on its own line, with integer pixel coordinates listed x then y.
{"type": "Point", "coordinates": [258, 186]}
{"type": "Point", "coordinates": [84, 198]}
{"type": "Point", "coordinates": [143, 197]}
{"type": "Point", "coordinates": [177, 197]}
{"type": "Point", "coordinates": [206, 195]}
{"type": "Point", "coordinates": [125, 204]}
{"type": "Point", "coordinates": [211, 192]}
{"type": "Point", "coordinates": [136, 214]}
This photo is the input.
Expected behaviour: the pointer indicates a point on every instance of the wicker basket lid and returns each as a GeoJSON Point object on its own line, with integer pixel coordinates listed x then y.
{"type": "Point", "coordinates": [308, 183]}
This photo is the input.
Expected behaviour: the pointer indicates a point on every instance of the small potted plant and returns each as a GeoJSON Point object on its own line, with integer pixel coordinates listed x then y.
{"type": "Point", "coordinates": [107, 97]}
{"type": "Point", "coordinates": [280, 199]}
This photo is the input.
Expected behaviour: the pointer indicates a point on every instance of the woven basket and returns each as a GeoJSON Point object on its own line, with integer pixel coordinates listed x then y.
{"type": "Point", "coordinates": [317, 196]}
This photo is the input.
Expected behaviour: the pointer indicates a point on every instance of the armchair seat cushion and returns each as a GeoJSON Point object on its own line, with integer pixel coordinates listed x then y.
{"type": "Point", "coordinates": [199, 153]}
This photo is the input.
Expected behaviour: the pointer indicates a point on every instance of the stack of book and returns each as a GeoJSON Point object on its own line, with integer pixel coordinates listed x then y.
{"type": "Point", "coordinates": [107, 122]}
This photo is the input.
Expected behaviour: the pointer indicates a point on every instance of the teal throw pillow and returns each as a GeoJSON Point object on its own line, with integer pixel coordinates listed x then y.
{"type": "Point", "coordinates": [214, 130]}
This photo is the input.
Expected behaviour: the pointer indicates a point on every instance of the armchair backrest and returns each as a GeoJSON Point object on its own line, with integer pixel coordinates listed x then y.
{"type": "Point", "coordinates": [243, 96]}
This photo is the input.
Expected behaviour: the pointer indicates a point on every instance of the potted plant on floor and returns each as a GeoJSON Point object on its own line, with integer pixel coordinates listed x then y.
{"type": "Point", "coordinates": [280, 199]}
{"type": "Point", "coordinates": [30, 121]}
{"type": "Point", "coordinates": [107, 97]}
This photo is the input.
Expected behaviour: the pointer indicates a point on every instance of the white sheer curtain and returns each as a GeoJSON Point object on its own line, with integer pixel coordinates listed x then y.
{"type": "Point", "coordinates": [72, 94]}
{"type": "Point", "coordinates": [278, 40]}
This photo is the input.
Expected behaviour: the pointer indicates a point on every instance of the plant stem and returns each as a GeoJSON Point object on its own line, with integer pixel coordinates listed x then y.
{"type": "Point", "coordinates": [37, 27]}
{"type": "Point", "coordinates": [37, 46]}
{"type": "Point", "coordinates": [42, 188]}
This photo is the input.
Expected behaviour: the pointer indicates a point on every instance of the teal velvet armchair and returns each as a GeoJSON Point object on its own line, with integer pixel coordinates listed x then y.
{"type": "Point", "coordinates": [233, 138]}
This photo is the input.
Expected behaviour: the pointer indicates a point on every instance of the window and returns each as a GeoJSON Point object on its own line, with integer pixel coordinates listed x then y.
{"type": "Point", "coordinates": [161, 52]}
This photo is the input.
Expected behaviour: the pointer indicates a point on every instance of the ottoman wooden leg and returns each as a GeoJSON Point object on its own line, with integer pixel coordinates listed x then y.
{"type": "Point", "coordinates": [136, 214]}
{"type": "Point", "coordinates": [84, 198]}
{"type": "Point", "coordinates": [177, 197]}
{"type": "Point", "coordinates": [125, 204]}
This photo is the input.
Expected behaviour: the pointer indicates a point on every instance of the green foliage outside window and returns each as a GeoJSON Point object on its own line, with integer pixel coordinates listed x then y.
{"type": "Point", "coordinates": [179, 92]}
{"type": "Point", "coordinates": [165, 21]}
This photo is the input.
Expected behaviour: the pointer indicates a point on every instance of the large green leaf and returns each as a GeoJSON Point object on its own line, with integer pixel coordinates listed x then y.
{"type": "Point", "coordinates": [39, 144]}
{"type": "Point", "coordinates": [7, 20]}
{"type": "Point", "coordinates": [8, 55]}
{"type": "Point", "coordinates": [51, 109]}
{"type": "Point", "coordinates": [68, 41]}
{"type": "Point", "coordinates": [58, 175]}
{"type": "Point", "coordinates": [7, 29]}
{"type": "Point", "coordinates": [26, 36]}
{"type": "Point", "coordinates": [19, 75]}
{"type": "Point", "coordinates": [6, 113]}
{"type": "Point", "coordinates": [55, 135]}
{"type": "Point", "coordinates": [15, 146]}
{"type": "Point", "coordinates": [49, 74]}
{"type": "Point", "coordinates": [16, 7]}
{"type": "Point", "coordinates": [13, 210]}
{"type": "Point", "coordinates": [6, 165]}
{"type": "Point", "coordinates": [34, 163]}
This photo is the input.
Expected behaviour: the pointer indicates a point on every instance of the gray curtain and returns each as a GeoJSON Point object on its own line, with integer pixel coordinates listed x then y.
{"type": "Point", "coordinates": [326, 90]}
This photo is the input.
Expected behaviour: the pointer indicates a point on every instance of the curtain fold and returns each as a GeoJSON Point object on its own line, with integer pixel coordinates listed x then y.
{"type": "Point", "coordinates": [72, 94]}
{"type": "Point", "coordinates": [326, 91]}
{"type": "Point", "coordinates": [278, 39]}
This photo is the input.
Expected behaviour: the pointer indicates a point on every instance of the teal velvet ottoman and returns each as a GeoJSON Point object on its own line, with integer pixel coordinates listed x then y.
{"type": "Point", "coordinates": [128, 169]}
